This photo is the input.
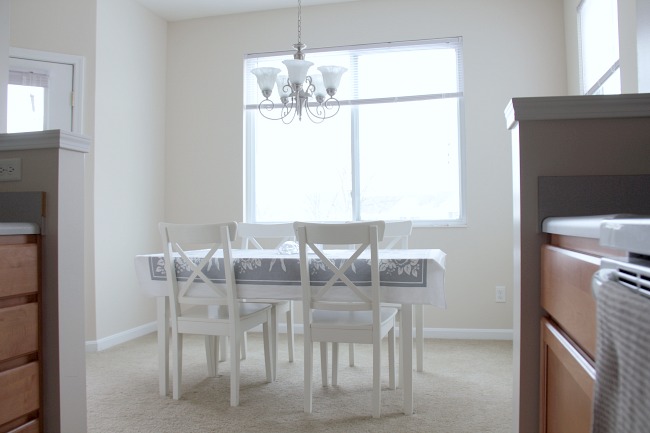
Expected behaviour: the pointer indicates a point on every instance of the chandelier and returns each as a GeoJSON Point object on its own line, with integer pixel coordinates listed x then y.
{"type": "Point", "coordinates": [300, 93]}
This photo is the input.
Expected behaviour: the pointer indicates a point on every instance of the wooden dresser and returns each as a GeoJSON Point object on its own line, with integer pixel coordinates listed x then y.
{"type": "Point", "coordinates": [568, 330]}
{"type": "Point", "coordinates": [20, 342]}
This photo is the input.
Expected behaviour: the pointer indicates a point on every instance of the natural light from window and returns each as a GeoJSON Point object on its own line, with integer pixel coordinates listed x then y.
{"type": "Point", "coordinates": [27, 108]}
{"type": "Point", "coordinates": [392, 152]}
{"type": "Point", "coordinates": [599, 56]}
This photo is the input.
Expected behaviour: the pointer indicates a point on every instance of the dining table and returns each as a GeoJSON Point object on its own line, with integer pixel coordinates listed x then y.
{"type": "Point", "coordinates": [407, 277]}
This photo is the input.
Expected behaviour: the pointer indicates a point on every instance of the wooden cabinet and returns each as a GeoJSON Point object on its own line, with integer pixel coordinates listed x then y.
{"type": "Point", "coordinates": [20, 363]}
{"type": "Point", "coordinates": [568, 332]}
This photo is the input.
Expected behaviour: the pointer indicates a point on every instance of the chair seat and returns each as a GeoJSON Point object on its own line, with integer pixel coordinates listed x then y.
{"type": "Point", "coordinates": [350, 319]}
{"type": "Point", "coordinates": [220, 312]}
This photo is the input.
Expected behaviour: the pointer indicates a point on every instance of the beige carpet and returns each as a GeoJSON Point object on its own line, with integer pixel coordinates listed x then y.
{"type": "Point", "coordinates": [466, 387]}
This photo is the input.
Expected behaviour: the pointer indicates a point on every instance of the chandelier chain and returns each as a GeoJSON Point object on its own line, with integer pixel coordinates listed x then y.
{"type": "Point", "coordinates": [299, 20]}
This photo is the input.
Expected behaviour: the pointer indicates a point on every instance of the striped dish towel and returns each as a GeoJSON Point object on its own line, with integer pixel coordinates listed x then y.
{"type": "Point", "coordinates": [622, 391]}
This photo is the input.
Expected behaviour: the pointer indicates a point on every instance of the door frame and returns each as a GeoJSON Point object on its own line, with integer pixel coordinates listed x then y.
{"type": "Point", "coordinates": [77, 63]}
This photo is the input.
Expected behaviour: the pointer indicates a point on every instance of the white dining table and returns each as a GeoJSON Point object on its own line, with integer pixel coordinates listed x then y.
{"type": "Point", "coordinates": [407, 277]}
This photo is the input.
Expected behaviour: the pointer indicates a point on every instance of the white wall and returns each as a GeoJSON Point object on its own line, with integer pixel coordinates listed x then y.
{"type": "Point", "coordinates": [5, 26]}
{"type": "Point", "coordinates": [129, 160]}
{"type": "Point", "coordinates": [511, 49]}
{"type": "Point", "coordinates": [643, 44]}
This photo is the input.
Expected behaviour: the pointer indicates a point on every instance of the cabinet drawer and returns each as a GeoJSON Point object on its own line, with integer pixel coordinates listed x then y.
{"type": "Point", "coordinates": [566, 293]}
{"type": "Point", "coordinates": [18, 269]}
{"type": "Point", "coordinates": [32, 426]}
{"type": "Point", "coordinates": [19, 392]}
{"type": "Point", "coordinates": [567, 384]}
{"type": "Point", "coordinates": [18, 330]}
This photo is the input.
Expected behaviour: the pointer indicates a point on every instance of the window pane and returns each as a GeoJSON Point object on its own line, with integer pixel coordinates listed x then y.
{"type": "Point", "coordinates": [27, 108]}
{"type": "Point", "coordinates": [392, 152]}
{"type": "Point", "coordinates": [409, 165]}
{"type": "Point", "coordinates": [303, 170]}
{"type": "Point", "coordinates": [420, 73]}
{"type": "Point", "coordinates": [598, 22]}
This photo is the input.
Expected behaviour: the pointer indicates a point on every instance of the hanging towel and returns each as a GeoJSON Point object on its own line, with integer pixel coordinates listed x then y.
{"type": "Point", "coordinates": [622, 391]}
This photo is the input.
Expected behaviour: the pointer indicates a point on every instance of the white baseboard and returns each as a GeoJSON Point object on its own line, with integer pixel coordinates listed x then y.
{"type": "Point", "coordinates": [119, 338]}
{"type": "Point", "coordinates": [439, 333]}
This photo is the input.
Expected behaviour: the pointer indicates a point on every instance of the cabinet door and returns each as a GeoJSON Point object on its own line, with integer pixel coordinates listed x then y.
{"type": "Point", "coordinates": [567, 384]}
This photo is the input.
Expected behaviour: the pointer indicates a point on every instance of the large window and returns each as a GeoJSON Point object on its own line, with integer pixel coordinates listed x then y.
{"type": "Point", "coordinates": [394, 150]}
{"type": "Point", "coordinates": [598, 39]}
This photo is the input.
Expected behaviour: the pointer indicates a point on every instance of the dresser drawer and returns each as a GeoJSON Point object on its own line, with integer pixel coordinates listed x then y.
{"type": "Point", "coordinates": [18, 269]}
{"type": "Point", "coordinates": [18, 330]}
{"type": "Point", "coordinates": [566, 293]}
{"type": "Point", "coordinates": [19, 392]}
{"type": "Point", "coordinates": [567, 384]}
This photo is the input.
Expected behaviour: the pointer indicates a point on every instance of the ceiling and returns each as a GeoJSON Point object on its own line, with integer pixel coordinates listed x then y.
{"type": "Point", "coordinates": [176, 10]}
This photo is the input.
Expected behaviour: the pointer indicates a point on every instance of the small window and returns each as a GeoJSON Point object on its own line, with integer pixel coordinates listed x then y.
{"type": "Point", "coordinates": [598, 40]}
{"type": "Point", "coordinates": [393, 151]}
{"type": "Point", "coordinates": [26, 97]}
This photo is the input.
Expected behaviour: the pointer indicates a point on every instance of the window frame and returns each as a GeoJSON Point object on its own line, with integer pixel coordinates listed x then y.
{"type": "Point", "coordinates": [249, 131]}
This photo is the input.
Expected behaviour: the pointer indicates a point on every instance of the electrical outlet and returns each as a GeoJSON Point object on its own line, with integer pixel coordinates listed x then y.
{"type": "Point", "coordinates": [10, 169]}
{"type": "Point", "coordinates": [501, 294]}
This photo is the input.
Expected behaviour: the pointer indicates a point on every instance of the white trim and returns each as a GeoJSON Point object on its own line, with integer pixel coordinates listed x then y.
{"type": "Point", "coordinates": [50, 139]}
{"type": "Point", "coordinates": [577, 107]}
{"type": "Point", "coordinates": [119, 338]}
{"type": "Point", "coordinates": [77, 63]}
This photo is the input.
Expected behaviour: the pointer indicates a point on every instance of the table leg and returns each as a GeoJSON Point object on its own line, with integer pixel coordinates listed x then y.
{"type": "Point", "coordinates": [163, 344]}
{"type": "Point", "coordinates": [406, 337]}
{"type": "Point", "coordinates": [419, 337]}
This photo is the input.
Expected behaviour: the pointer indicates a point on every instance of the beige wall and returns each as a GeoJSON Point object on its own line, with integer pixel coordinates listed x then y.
{"type": "Point", "coordinates": [129, 161]}
{"type": "Point", "coordinates": [511, 49]}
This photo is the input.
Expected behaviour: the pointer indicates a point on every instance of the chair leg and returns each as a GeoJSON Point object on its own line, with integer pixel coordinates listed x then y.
{"type": "Point", "coordinates": [274, 337]}
{"type": "Point", "coordinates": [234, 369]}
{"type": "Point", "coordinates": [351, 354]}
{"type": "Point", "coordinates": [335, 363]}
{"type": "Point", "coordinates": [308, 366]}
{"type": "Point", "coordinates": [419, 336]}
{"type": "Point", "coordinates": [268, 359]}
{"type": "Point", "coordinates": [244, 345]}
{"type": "Point", "coordinates": [212, 354]}
{"type": "Point", "coordinates": [323, 362]}
{"type": "Point", "coordinates": [177, 364]}
{"type": "Point", "coordinates": [223, 348]}
{"type": "Point", "coordinates": [391, 358]}
{"type": "Point", "coordinates": [400, 364]}
{"type": "Point", "coordinates": [290, 337]}
{"type": "Point", "coordinates": [376, 383]}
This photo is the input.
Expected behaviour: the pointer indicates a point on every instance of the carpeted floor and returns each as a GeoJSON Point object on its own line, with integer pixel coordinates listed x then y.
{"type": "Point", "coordinates": [466, 387]}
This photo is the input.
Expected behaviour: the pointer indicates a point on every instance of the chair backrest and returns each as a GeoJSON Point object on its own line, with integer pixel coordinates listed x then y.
{"type": "Point", "coordinates": [193, 263]}
{"type": "Point", "coordinates": [397, 234]}
{"type": "Point", "coordinates": [338, 291]}
{"type": "Point", "coordinates": [250, 234]}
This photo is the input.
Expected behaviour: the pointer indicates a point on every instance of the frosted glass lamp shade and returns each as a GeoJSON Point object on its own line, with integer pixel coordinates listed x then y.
{"type": "Point", "coordinates": [297, 70]}
{"type": "Point", "coordinates": [266, 79]}
{"type": "Point", "coordinates": [332, 76]}
{"type": "Point", "coordinates": [319, 91]}
{"type": "Point", "coordinates": [283, 89]}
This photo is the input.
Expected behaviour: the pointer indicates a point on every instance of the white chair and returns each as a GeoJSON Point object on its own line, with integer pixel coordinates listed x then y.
{"type": "Point", "coordinates": [396, 235]}
{"type": "Point", "coordinates": [253, 235]}
{"type": "Point", "coordinates": [200, 306]}
{"type": "Point", "coordinates": [339, 311]}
